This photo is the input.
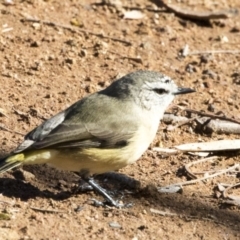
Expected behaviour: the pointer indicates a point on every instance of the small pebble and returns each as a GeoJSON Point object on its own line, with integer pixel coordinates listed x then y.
{"type": "Point", "coordinates": [115, 225]}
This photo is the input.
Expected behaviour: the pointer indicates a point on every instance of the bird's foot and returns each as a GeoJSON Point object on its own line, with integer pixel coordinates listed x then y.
{"type": "Point", "coordinates": [108, 203]}
{"type": "Point", "coordinates": [82, 187]}
{"type": "Point", "coordinates": [85, 187]}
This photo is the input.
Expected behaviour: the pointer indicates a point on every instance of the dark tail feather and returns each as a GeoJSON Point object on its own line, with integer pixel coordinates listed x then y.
{"type": "Point", "coordinates": [8, 163]}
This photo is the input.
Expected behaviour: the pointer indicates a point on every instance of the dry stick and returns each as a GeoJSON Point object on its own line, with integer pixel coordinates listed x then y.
{"type": "Point", "coordinates": [187, 166]}
{"type": "Point", "coordinates": [213, 171]}
{"type": "Point", "coordinates": [171, 118]}
{"type": "Point", "coordinates": [212, 115]}
{"type": "Point", "coordinates": [197, 15]}
{"type": "Point", "coordinates": [2, 113]}
{"type": "Point", "coordinates": [74, 30]}
{"type": "Point", "coordinates": [47, 210]}
{"type": "Point", "coordinates": [218, 126]}
{"type": "Point", "coordinates": [207, 177]}
{"type": "Point", "coordinates": [225, 195]}
{"type": "Point", "coordinates": [5, 202]}
{"type": "Point", "coordinates": [234, 202]}
{"type": "Point", "coordinates": [167, 151]}
{"type": "Point", "coordinates": [162, 213]}
{"type": "Point", "coordinates": [214, 52]}
{"type": "Point", "coordinates": [225, 185]}
{"type": "Point", "coordinates": [171, 128]}
{"type": "Point", "coordinates": [7, 30]}
{"type": "Point", "coordinates": [20, 113]}
{"type": "Point", "coordinates": [11, 131]}
{"type": "Point", "coordinates": [135, 59]}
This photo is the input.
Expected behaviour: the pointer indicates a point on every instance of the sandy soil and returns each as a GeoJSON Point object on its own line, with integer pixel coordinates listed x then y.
{"type": "Point", "coordinates": [46, 68]}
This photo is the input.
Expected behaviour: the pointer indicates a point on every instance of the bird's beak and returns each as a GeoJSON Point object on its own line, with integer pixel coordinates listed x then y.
{"type": "Point", "coordinates": [183, 91]}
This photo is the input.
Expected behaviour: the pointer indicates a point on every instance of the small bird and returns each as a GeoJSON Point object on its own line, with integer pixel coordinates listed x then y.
{"type": "Point", "coordinates": [102, 132]}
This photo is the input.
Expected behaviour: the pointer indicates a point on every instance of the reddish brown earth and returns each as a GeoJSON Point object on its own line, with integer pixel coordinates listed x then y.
{"type": "Point", "coordinates": [46, 68]}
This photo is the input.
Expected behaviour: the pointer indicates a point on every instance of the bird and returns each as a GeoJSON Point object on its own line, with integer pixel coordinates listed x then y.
{"type": "Point", "coordinates": [104, 131]}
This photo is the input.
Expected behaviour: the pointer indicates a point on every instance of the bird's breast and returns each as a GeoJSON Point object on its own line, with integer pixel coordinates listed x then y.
{"type": "Point", "coordinates": [141, 141]}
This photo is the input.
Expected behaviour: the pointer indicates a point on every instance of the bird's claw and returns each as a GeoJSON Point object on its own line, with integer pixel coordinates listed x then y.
{"type": "Point", "coordinates": [106, 203]}
{"type": "Point", "coordinates": [83, 188]}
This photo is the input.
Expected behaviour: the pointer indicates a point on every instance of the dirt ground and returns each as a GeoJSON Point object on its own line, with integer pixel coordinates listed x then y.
{"type": "Point", "coordinates": [45, 68]}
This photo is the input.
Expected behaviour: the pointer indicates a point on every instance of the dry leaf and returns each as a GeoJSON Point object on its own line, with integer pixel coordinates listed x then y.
{"type": "Point", "coordinates": [221, 145]}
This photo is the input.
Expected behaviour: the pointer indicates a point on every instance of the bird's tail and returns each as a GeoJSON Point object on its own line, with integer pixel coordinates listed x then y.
{"type": "Point", "coordinates": [10, 162]}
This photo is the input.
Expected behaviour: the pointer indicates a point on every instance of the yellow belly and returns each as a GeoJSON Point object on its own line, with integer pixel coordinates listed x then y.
{"type": "Point", "coordinates": [94, 160]}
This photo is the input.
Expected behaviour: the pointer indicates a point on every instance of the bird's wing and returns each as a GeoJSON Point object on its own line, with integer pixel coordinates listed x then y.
{"type": "Point", "coordinates": [82, 127]}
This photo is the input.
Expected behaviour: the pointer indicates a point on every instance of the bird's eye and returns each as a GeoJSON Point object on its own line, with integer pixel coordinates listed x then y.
{"type": "Point", "coordinates": [160, 90]}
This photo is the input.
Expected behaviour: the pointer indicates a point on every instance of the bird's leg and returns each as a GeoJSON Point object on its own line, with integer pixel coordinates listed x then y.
{"type": "Point", "coordinates": [102, 192]}
{"type": "Point", "coordinates": [84, 187]}
{"type": "Point", "coordinates": [85, 176]}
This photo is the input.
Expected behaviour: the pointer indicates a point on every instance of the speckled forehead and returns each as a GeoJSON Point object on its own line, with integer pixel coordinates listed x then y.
{"type": "Point", "coordinates": [159, 81]}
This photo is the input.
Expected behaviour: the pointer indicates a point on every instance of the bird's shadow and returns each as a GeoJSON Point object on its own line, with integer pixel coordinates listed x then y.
{"type": "Point", "coordinates": [36, 183]}
{"type": "Point", "coordinates": [50, 183]}
{"type": "Point", "coordinates": [24, 190]}
{"type": "Point", "coordinates": [183, 204]}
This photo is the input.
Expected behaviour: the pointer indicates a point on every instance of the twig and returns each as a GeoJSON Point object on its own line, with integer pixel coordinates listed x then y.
{"type": "Point", "coordinates": [135, 59]}
{"type": "Point", "coordinates": [207, 177]}
{"type": "Point", "coordinates": [214, 52]}
{"type": "Point", "coordinates": [162, 213]}
{"type": "Point", "coordinates": [187, 166]}
{"type": "Point", "coordinates": [225, 195]}
{"type": "Point", "coordinates": [7, 30]}
{"type": "Point", "coordinates": [189, 14]}
{"type": "Point", "coordinates": [11, 131]}
{"type": "Point", "coordinates": [179, 120]}
{"type": "Point", "coordinates": [219, 126]}
{"type": "Point", "coordinates": [167, 151]}
{"type": "Point", "coordinates": [171, 118]}
{"type": "Point", "coordinates": [212, 115]}
{"type": "Point", "coordinates": [213, 171]}
{"type": "Point", "coordinates": [171, 128]}
{"type": "Point", "coordinates": [20, 113]}
{"type": "Point", "coordinates": [2, 113]}
{"type": "Point", "coordinates": [208, 123]}
{"type": "Point", "coordinates": [5, 202]}
{"type": "Point", "coordinates": [47, 210]}
{"type": "Point", "coordinates": [74, 30]}
{"type": "Point", "coordinates": [234, 202]}
{"type": "Point", "coordinates": [231, 199]}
